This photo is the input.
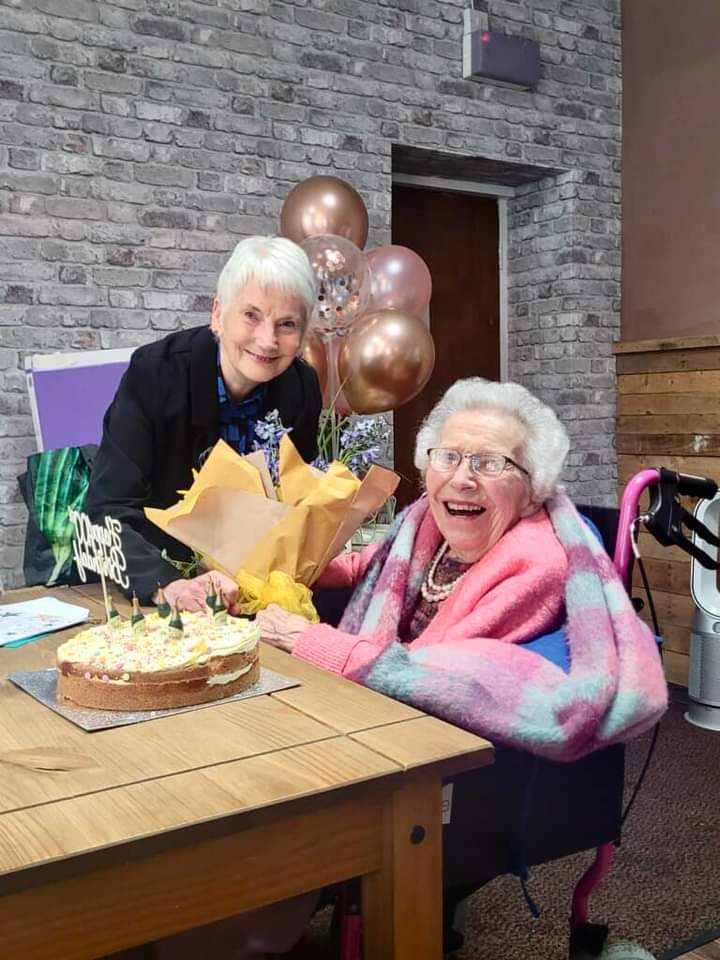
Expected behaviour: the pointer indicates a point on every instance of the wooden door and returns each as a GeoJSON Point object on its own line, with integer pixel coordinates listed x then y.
{"type": "Point", "coordinates": [457, 236]}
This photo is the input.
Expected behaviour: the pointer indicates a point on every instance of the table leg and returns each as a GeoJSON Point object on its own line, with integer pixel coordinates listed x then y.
{"type": "Point", "coordinates": [402, 902]}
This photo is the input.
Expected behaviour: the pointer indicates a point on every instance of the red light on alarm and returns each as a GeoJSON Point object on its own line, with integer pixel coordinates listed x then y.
{"type": "Point", "coordinates": [501, 58]}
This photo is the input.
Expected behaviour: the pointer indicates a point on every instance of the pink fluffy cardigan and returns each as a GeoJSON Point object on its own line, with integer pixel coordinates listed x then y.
{"type": "Point", "coordinates": [514, 593]}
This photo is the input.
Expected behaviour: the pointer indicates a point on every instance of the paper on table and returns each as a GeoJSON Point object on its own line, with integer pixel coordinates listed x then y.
{"type": "Point", "coordinates": [32, 618]}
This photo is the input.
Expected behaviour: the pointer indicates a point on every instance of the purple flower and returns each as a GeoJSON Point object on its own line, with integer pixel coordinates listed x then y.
{"type": "Point", "coordinates": [268, 433]}
{"type": "Point", "coordinates": [320, 463]}
{"type": "Point", "coordinates": [361, 443]}
{"type": "Point", "coordinates": [357, 443]}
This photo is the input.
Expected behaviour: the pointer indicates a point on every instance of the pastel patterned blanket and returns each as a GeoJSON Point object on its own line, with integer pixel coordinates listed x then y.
{"type": "Point", "coordinates": [615, 687]}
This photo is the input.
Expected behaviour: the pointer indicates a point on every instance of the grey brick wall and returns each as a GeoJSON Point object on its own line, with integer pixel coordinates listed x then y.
{"type": "Point", "coordinates": [564, 306]}
{"type": "Point", "coordinates": [140, 139]}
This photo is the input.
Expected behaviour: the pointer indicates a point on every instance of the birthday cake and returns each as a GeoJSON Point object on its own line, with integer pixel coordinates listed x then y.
{"type": "Point", "coordinates": [158, 661]}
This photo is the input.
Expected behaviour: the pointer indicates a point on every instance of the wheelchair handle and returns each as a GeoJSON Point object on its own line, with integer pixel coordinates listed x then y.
{"type": "Point", "coordinates": [629, 504]}
{"type": "Point", "coordinates": [666, 516]}
{"type": "Point", "coordinates": [702, 487]}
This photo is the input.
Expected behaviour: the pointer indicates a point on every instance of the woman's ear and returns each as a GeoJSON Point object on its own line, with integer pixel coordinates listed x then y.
{"type": "Point", "coordinates": [216, 317]}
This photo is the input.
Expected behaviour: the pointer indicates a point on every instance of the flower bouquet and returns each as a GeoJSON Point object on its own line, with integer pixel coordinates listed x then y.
{"type": "Point", "coordinates": [273, 528]}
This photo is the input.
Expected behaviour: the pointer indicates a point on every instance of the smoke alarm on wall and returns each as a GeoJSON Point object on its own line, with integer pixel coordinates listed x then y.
{"type": "Point", "coordinates": [499, 58]}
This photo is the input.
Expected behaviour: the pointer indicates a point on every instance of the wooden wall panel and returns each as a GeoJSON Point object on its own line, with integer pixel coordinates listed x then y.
{"type": "Point", "coordinates": [668, 415]}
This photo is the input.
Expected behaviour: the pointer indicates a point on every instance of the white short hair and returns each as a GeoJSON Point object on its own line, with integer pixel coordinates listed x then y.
{"type": "Point", "coordinates": [274, 262]}
{"type": "Point", "coordinates": [546, 440]}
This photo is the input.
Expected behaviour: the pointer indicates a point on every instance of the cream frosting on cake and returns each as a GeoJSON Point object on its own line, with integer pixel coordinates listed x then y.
{"type": "Point", "coordinates": [121, 649]}
{"type": "Point", "coordinates": [155, 664]}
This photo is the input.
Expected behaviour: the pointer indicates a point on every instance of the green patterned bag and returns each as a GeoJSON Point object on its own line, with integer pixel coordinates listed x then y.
{"type": "Point", "coordinates": [56, 482]}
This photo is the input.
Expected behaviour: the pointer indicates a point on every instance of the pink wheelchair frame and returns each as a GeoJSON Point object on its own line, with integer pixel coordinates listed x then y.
{"type": "Point", "coordinates": [595, 875]}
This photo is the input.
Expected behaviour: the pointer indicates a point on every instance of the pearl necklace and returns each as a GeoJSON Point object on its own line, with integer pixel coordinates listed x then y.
{"type": "Point", "coordinates": [431, 591]}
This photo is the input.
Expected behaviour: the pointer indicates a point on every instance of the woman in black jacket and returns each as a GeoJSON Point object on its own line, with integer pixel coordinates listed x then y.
{"type": "Point", "coordinates": [181, 394]}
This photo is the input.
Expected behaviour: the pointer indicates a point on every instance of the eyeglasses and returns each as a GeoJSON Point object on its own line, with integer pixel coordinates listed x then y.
{"type": "Point", "coordinates": [481, 464]}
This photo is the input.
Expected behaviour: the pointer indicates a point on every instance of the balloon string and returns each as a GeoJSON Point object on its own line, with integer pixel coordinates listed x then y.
{"type": "Point", "coordinates": [335, 435]}
{"type": "Point", "coordinates": [335, 385]}
{"type": "Point", "coordinates": [330, 434]}
{"type": "Point", "coordinates": [333, 424]}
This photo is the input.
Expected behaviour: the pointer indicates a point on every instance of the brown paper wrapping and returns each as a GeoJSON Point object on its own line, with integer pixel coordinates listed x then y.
{"type": "Point", "coordinates": [231, 515]}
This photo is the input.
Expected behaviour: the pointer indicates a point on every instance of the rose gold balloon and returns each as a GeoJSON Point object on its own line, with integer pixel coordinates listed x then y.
{"type": "Point", "coordinates": [400, 280]}
{"type": "Point", "coordinates": [386, 360]}
{"type": "Point", "coordinates": [324, 205]}
{"type": "Point", "coordinates": [313, 351]}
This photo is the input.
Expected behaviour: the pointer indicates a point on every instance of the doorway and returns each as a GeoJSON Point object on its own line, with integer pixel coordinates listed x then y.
{"type": "Point", "coordinates": [457, 235]}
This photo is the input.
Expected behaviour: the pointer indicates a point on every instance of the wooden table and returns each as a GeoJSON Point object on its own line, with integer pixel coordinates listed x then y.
{"type": "Point", "coordinates": [118, 837]}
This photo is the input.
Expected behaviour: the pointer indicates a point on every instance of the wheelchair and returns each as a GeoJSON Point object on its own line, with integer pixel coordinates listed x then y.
{"type": "Point", "coordinates": [524, 810]}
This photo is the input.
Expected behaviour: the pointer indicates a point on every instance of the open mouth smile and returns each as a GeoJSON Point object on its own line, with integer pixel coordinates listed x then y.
{"type": "Point", "coordinates": [467, 511]}
{"type": "Point", "coordinates": [260, 359]}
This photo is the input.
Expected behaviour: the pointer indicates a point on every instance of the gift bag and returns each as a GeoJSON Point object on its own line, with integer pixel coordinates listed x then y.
{"type": "Point", "coordinates": [55, 482]}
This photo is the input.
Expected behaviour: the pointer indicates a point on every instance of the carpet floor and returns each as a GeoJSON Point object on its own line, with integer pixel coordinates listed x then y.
{"type": "Point", "coordinates": [663, 889]}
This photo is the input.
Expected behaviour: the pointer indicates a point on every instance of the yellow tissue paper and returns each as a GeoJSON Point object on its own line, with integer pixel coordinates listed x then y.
{"type": "Point", "coordinates": [256, 594]}
{"type": "Point", "coordinates": [232, 517]}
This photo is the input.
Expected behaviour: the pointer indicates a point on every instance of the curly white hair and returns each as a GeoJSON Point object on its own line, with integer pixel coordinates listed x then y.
{"type": "Point", "coordinates": [546, 440]}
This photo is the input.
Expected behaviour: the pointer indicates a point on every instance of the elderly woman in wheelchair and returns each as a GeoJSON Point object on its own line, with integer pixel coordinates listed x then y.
{"type": "Point", "coordinates": [492, 604]}
{"type": "Point", "coordinates": [492, 556]}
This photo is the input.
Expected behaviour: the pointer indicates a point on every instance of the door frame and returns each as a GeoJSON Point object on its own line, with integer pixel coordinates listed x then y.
{"type": "Point", "coordinates": [501, 193]}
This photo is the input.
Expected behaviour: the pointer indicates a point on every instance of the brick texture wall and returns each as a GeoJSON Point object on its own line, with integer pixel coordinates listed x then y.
{"type": "Point", "coordinates": [564, 311]}
{"type": "Point", "coordinates": [140, 139]}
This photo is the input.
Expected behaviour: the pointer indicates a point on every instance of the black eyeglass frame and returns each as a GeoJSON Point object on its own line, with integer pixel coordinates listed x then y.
{"type": "Point", "coordinates": [472, 456]}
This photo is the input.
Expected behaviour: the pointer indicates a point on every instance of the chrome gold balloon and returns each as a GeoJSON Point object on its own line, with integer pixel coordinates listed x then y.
{"type": "Point", "coordinates": [385, 361]}
{"type": "Point", "coordinates": [313, 351]}
{"type": "Point", "coordinates": [324, 205]}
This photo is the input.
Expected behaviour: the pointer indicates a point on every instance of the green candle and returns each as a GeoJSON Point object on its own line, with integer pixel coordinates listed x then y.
{"type": "Point", "coordinates": [113, 617]}
{"type": "Point", "coordinates": [175, 627]}
{"type": "Point", "coordinates": [220, 613]}
{"type": "Point", "coordinates": [138, 617]}
{"type": "Point", "coordinates": [211, 600]}
{"type": "Point", "coordinates": [163, 607]}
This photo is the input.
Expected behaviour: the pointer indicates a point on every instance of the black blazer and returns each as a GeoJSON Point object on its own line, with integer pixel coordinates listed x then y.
{"type": "Point", "coordinates": [163, 418]}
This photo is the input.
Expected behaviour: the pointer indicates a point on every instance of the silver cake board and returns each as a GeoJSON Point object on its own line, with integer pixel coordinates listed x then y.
{"type": "Point", "coordinates": [42, 684]}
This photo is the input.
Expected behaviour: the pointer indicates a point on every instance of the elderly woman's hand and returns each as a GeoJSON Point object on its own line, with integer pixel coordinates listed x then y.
{"type": "Point", "coordinates": [280, 628]}
{"type": "Point", "coordinates": [191, 594]}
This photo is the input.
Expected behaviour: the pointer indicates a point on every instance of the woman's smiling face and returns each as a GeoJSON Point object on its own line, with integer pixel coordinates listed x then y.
{"type": "Point", "coordinates": [473, 511]}
{"type": "Point", "coordinates": [259, 331]}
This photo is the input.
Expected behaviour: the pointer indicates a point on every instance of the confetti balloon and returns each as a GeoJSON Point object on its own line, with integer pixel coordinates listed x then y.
{"type": "Point", "coordinates": [343, 281]}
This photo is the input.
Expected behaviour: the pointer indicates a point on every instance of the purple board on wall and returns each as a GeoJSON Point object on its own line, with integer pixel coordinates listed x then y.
{"type": "Point", "coordinates": [69, 394]}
